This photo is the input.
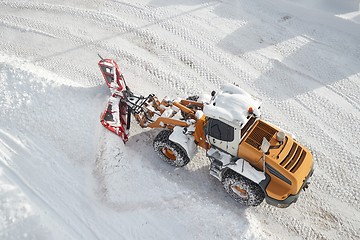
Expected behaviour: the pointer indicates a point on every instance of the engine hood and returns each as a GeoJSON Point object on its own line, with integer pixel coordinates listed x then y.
{"type": "Point", "coordinates": [288, 163]}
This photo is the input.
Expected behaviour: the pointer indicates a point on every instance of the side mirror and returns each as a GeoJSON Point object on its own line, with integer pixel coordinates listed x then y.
{"type": "Point", "coordinates": [265, 145]}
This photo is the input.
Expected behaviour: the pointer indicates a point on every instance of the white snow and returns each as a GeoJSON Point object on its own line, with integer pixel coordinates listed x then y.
{"type": "Point", "coordinates": [64, 176]}
{"type": "Point", "coordinates": [232, 104]}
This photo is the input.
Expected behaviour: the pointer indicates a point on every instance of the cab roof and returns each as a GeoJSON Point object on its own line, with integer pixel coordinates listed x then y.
{"type": "Point", "coordinates": [232, 104]}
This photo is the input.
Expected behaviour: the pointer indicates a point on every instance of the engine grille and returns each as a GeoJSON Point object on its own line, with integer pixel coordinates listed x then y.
{"type": "Point", "coordinates": [261, 130]}
{"type": "Point", "coordinates": [294, 158]}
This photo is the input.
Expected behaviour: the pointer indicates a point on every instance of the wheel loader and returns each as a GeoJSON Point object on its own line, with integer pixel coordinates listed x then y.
{"type": "Point", "coordinates": [253, 159]}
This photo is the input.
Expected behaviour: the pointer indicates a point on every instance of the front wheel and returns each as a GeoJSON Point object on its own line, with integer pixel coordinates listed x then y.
{"type": "Point", "coordinates": [243, 190]}
{"type": "Point", "coordinates": [169, 151]}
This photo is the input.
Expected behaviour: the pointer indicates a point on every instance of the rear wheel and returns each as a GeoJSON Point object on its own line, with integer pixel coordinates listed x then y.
{"type": "Point", "coordinates": [193, 98]}
{"type": "Point", "coordinates": [169, 151]}
{"type": "Point", "coordinates": [243, 190]}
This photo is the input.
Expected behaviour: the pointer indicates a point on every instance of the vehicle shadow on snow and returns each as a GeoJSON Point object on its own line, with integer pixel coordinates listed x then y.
{"type": "Point", "coordinates": [194, 177]}
{"type": "Point", "coordinates": [134, 180]}
{"type": "Point", "coordinates": [289, 56]}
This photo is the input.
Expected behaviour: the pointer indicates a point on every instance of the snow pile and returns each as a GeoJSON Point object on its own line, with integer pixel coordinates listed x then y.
{"type": "Point", "coordinates": [43, 141]}
{"type": "Point", "coordinates": [65, 177]}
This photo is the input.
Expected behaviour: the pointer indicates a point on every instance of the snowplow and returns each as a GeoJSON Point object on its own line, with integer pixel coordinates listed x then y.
{"type": "Point", "coordinates": [253, 159]}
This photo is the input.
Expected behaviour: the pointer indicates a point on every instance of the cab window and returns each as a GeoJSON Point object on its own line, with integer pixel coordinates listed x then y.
{"type": "Point", "coordinates": [220, 130]}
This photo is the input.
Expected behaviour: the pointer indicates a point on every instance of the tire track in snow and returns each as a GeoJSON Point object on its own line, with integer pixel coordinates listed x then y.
{"type": "Point", "coordinates": [332, 116]}
{"type": "Point", "coordinates": [110, 21]}
{"type": "Point", "coordinates": [57, 32]}
{"type": "Point", "coordinates": [335, 87]}
{"type": "Point", "coordinates": [273, 68]}
{"type": "Point", "coordinates": [102, 18]}
{"type": "Point", "coordinates": [12, 22]}
{"type": "Point", "coordinates": [171, 49]}
{"type": "Point", "coordinates": [58, 63]}
{"type": "Point", "coordinates": [183, 54]}
{"type": "Point", "coordinates": [43, 28]}
{"type": "Point", "coordinates": [239, 73]}
{"type": "Point", "coordinates": [198, 42]}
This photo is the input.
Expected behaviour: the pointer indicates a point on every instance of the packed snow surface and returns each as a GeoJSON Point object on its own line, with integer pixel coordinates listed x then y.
{"type": "Point", "coordinates": [64, 176]}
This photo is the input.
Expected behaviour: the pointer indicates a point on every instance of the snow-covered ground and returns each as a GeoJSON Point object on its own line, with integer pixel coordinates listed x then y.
{"type": "Point", "coordinates": [63, 176]}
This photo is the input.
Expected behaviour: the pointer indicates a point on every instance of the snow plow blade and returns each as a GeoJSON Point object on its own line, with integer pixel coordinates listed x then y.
{"type": "Point", "coordinates": [112, 75]}
{"type": "Point", "coordinates": [116, 116]}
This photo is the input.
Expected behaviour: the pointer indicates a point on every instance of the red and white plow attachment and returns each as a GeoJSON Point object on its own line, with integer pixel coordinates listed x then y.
{"type": "Point", "coordinates": [116, 116]}
{"type": "Point", "coordinates": [148, 111]}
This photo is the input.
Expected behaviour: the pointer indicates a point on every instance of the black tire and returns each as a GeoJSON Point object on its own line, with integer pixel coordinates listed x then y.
{"type": "Point", "coordinates": [191, 98]}
{"type": "Point", "coordinates": [243, 190]}
{"type": "Point", "coordinates": [169, 151]}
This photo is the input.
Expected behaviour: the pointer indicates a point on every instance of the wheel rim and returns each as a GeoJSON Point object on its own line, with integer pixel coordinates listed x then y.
{"type": "Point", "coordinates": [169, 153]}
{"type": "Point", "coordinates": [239, 191]}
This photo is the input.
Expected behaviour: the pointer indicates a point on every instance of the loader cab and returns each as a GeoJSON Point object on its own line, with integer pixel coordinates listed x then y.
{"type": "Point", "coordinates": [226, 135]}
{"type": "Point", "coordinates": [223, 135]}
{"type": "Point", "coordinates": [230, 115]}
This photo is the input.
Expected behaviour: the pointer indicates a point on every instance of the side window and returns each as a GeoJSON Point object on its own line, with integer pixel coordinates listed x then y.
{"type": "Point", "coordinates": [220, 130]}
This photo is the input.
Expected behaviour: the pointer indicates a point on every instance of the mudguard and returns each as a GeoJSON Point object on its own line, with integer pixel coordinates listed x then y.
{"type": "Point", "coordinates": [245, 169]}
{"type": "Point", "coordinates": [240, 166]}
{"type": "Point", "coordinates": [184, 140]}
